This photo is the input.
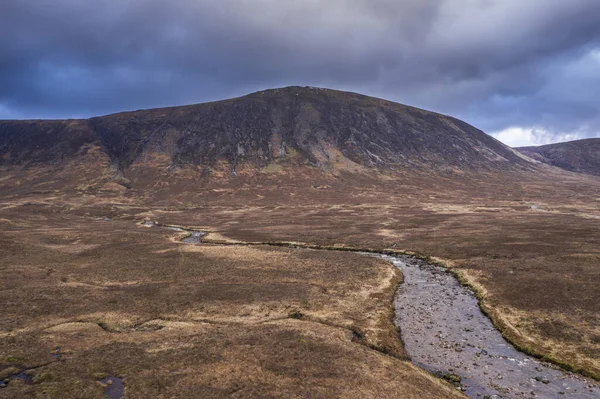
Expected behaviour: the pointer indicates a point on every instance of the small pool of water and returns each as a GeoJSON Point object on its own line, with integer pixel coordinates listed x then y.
{"type": "Point", "coordinates": [115, 388]}
{"type": "Point", "coordinates": [21, 375]}
{"type": "Point", "coordinates": [195, 236]}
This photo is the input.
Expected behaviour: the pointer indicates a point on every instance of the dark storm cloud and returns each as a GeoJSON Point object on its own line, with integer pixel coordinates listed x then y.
{"type": "Point", "coordinates": [534, 65]}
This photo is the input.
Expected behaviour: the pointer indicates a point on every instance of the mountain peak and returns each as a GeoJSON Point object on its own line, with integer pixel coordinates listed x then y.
{"type": "Point", "coordinates": [267, 125]}
{"type": "Point", "coordinates": [291, 127]}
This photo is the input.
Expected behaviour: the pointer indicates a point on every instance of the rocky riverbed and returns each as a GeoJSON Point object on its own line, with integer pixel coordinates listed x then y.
{"type": "Point", "coordinates": [445, 332]}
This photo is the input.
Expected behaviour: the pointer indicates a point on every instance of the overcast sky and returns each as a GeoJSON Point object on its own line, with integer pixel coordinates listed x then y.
{"type": "Point", "coordinates": [525, 71]}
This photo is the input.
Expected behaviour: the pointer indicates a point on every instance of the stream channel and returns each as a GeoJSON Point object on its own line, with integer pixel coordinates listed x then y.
{"type": "Point", "coordinates": [445, 332]}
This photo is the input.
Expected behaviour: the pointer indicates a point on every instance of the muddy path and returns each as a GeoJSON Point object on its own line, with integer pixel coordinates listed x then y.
{"type": "Point", "coordinates": [445, 332]}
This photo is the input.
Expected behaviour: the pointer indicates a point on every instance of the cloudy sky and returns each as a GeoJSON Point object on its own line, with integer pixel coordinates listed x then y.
{"type": "Point", "coordinates": [526, 71]}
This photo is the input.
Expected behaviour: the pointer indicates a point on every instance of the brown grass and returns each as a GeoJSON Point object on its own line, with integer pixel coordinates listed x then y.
{"type": "Point", "coordinates": [181, 321]}
{"type": "Point", "coordinates": [116, 298]}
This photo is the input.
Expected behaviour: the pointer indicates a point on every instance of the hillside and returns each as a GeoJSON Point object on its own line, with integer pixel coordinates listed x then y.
{"type": "Point", "coordinates": [294, 126]}
{"type": "Point", "coordinates": [581, 156]}
{"type": "Point", "coordinates": [274, 302]}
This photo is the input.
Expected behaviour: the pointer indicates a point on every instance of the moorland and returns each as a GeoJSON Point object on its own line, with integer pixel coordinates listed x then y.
{"type": "Point", "coordinates": [274, 303]}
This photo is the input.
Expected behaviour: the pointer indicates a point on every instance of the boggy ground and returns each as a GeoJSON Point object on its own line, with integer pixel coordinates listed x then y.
{"type": "Point", "coordinates": [147, 308]}
{"type": "Point", "coordinates": [83, 298]}
{"type": "Point", "coordinates": [538, 272]}
{"type": "Point", "coordinates": [528, 243]}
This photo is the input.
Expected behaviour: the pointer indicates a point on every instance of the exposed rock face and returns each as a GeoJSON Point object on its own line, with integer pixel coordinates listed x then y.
{"type": "Point", "coordinates": [316, 124]}
{"type": "Point", "coordinates": [582, 156]}
{"type": "Point", "coordinates": [291, 126]}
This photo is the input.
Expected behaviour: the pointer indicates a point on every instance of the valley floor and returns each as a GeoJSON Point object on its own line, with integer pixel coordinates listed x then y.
{"type": "Point", "coordinates": [88, 292]}
{"type": "Point", "coordinates": [87, 299]}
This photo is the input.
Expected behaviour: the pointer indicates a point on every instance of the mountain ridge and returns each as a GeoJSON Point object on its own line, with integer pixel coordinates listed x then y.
{"type": "Point", "coordinates": [314, 126]}
{"type": "Point", "coordinates": [580, 156]}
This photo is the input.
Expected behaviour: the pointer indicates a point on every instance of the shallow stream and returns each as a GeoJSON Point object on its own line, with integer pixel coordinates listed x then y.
{"type": "Point", "coordinates": [194, 237]}
{"type": "Point", "coordinates": [445, 332]}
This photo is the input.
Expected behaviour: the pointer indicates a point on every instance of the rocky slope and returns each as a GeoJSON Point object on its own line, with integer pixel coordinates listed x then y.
{"type": "Point", "coordinates": [264, 126]}
{"type": "Point", "coordinates": [582, 156]}
{"type": "Point", "coordinates": [295, 128]}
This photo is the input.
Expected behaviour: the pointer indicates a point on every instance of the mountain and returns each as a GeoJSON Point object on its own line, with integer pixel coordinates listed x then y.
{"type": "Point", "coordinates": [290, 129]}
{"type": "Point", "coordinates": [582, 156]}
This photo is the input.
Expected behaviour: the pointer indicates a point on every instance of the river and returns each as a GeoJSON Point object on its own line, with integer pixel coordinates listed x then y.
{"type": "Point", "coordinates": [445, 332]}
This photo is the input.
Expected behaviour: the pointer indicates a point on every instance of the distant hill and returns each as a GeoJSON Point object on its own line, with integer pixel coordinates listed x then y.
{"type": "Point", "coordinates": [582, 156]}
{"type": "Point", "coordinates": [292, 128]}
